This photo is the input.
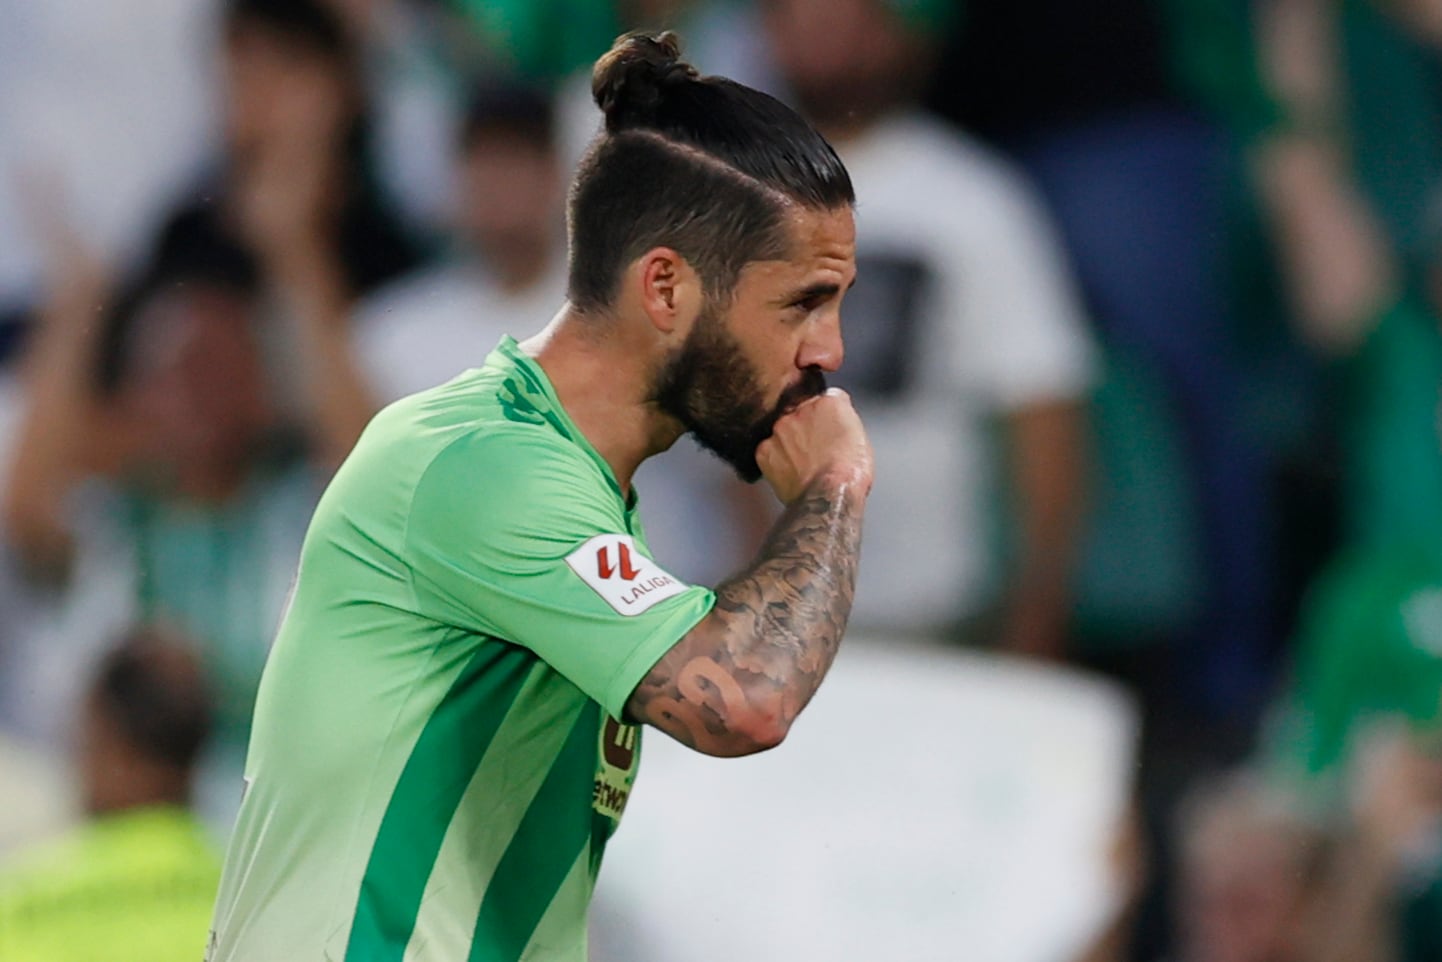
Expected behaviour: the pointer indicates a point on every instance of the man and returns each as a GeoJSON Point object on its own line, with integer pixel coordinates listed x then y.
{"type": "Point", "coordinates": [509, 269]}
{"type": "Point", "coordinates": [136, 883]}
{"type": "Point", "coordinates": [446, 733]}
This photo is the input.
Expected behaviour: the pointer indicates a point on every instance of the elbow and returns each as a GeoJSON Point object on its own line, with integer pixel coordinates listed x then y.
{"type": "Point", "coordinates": [753, 732]}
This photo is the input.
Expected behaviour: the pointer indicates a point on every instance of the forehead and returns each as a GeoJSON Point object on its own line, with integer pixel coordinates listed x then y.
{"type": "Point", "coordinates": [821, 249]}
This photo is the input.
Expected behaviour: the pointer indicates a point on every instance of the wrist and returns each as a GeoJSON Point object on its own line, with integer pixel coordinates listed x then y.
{"type": "Point", "coordinates": [842, 478]}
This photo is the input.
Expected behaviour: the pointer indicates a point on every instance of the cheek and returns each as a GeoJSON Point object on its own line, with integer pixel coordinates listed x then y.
{"type": "Point", "coordinates": [769, 344]}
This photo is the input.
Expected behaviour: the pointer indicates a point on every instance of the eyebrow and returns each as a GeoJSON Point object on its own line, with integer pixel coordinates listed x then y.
{"type": "Point", "coordinates": [820, 289]}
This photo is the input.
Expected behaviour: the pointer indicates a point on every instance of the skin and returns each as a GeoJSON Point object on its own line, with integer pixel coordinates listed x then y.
{"type": "Point", "coordinates": [734, 684]}
{"type": "Point", "coordinates": [511, 196]}
{"type": "Point", "coordinates": [116, 776]}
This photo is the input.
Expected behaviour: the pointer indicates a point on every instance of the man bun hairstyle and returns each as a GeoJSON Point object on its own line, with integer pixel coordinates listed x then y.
{"type": "Point", "coordinates": [628, 80]}
{"type": "Point", "coordinates": [703, 165]}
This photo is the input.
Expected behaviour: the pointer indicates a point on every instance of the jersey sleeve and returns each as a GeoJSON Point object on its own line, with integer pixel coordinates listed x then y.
{"type": "Point", "coordinates": [515, 535]}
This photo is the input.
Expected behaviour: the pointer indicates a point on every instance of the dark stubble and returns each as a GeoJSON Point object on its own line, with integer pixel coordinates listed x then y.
{"type": "Point", "coordinates": [710, 387]}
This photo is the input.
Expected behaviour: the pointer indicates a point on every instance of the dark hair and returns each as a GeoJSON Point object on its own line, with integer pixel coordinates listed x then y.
{"type": "Point", "coordinates": [310, 23]}
{"type": "Point", "coordinates": [152, 690]}
{"type": "Point", "coordinates": [190, 251]}
{"type": "Point", "coordinates": [704, 165]}
{"type": "Point", "coordinates": [509, 109]}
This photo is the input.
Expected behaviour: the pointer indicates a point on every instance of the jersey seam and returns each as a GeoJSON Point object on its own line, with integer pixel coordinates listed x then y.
{"type": "Point", "coordinates": [470, 434]}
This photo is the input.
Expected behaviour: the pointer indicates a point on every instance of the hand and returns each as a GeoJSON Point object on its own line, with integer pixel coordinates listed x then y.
{"type": "Point", "coordinates": [1339, 264]}
{"type": "Point", "coordinates": [1397, 792]}
{"type": "Point", "coordinates": [77, 282]}
{"type": "Point", "coordinates": [822, 436]}
{"type": "Point", "coordinates": [289, 191]}
{"type": "Point", "coordinates": [1034, 627]}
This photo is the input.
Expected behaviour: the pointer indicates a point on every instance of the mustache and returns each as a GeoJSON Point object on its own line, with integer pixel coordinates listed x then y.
{"type": "Point", "coordinates": [811, 384]}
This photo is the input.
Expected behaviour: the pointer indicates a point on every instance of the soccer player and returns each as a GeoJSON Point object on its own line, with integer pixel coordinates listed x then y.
{"type": "Point", "coordinates": [447, 730]}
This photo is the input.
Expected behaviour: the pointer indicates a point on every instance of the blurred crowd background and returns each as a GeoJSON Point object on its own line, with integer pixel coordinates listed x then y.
{"type": "Point", "coordinates": [1146, 334]}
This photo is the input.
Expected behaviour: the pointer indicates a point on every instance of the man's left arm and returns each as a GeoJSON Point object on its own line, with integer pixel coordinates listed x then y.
{"type": "Point", "coordinates": [1047, 465]}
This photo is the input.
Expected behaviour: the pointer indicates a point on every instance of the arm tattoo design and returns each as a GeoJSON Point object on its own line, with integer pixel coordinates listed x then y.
{"type": "Point", "coordinates": [773, 634]}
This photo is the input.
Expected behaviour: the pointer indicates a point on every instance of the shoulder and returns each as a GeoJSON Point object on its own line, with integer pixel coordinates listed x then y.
{"type": "Point", "coordinates": [512, 478]}
{"type": "Point", "coordinates": [922, 172]}
{"type": "Point", "coordinates": [415, 296]}
{"type": "Point", "coordinates": [505, 452]}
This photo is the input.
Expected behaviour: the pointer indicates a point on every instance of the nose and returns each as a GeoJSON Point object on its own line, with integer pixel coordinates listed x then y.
{"type": "Point", "coordinates": [822, 347]}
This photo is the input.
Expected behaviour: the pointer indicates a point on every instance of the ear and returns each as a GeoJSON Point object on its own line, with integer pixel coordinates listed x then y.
{"type": "Point", "coordinates": [670, 290]}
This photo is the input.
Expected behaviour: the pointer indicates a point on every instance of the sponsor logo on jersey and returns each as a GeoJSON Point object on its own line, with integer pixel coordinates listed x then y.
{"type": "Point", "coordinates": [626, 579]}
{"type": "Point", "coordinates": [616, 769]}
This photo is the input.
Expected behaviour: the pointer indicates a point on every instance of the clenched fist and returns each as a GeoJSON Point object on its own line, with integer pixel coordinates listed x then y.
{"type": "Point", "coordinates": [821, 438]}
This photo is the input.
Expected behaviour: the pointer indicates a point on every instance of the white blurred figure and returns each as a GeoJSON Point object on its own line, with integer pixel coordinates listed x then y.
{"type": "Point", "coordinates": [509, 265]}
{"type": "Point", "coordinates": [967, 349]}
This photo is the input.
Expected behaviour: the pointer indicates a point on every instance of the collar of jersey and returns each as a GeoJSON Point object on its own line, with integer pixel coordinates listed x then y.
{"type": "Point", "coordinates": [533, 372]}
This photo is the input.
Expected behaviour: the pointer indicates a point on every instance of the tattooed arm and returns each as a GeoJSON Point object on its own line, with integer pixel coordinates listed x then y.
{"type": "Point", "coordinates": [735, 683]}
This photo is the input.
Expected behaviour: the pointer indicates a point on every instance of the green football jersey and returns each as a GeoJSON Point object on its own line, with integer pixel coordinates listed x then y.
{"type": "Point", "coordinates": [437, 762]}
{"type": "Point", "coordinates": [1370, 648]}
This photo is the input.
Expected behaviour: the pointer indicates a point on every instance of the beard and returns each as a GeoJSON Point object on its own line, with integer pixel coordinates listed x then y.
{"type": "Point", "coordinates": [710, 387]}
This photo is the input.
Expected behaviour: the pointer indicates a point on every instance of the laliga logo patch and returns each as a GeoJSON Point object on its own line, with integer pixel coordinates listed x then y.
{"type": "Point", "coordinates": [628, 581]}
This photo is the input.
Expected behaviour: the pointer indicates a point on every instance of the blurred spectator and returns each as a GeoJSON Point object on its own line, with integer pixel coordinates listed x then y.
{"type": "Point", "coordinates": [296, 191]}
{"type": "Point", "coordinates": [1248, 872]}
{"type": "Point", "coordinates": [963, 316]}
{"type": "Point", "coordinates": [152, 481]}
{"type": "Point", "coordinates": [507, 274]}
{"type": "Point", "coordinates": [1350, 191]}
{"type": "Point", "coordinates": [408, 52]}
{"type": "Point", "coordinates": [544, 41]}
{"type": "Point", "coordinates": [1350, 187]}
{"type": "Point", "coordinates": [138, 881]}
{"type": "Point", "coordinates": [1355, 739]}
{"type": "Point", "coordinates": [1379, 898]}
{"type": "Point", "coordinates": [1130, 116]}
{"type": "Point", "coordinates": [1371, 647]}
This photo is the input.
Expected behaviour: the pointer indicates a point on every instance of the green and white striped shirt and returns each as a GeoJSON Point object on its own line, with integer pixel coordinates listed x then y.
{"type": "Point", "coordinates": [436, 763]}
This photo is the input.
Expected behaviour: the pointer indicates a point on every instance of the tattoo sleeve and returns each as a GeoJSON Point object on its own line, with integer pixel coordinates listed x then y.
{"type": "Point", "coordinates": [734, 684]}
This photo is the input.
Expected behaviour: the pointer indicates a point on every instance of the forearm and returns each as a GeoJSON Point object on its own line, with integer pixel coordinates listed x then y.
{"type": "Point", "coordinates": [1048, 468]}
{"type": "Point", "coordinates": [1352, 916]}
{"type": "Point", "coordinates": [1337, 262]}
{"type": "Point", "coordinates": [58, 438]}
{"type": "Point", "coordinates": [736, 683]}
{"type": "Point", "coordinates": [339, 402]}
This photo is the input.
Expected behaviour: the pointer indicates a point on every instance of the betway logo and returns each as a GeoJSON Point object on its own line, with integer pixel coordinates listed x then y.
{"type": "Point", "coordinates": [625, 578]}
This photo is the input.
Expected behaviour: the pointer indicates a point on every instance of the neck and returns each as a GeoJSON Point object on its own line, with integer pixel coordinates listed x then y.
{"type": "Point", "coordinates": [144, 784]}
{"type": "Point", "coordinates": [214, 482]}
{"type": "Point", "coordinates": [841, 132]}
{"type": "Point", "coordinates": [603, 379]}
{"type": "Point", "coordinates": [517, 271]}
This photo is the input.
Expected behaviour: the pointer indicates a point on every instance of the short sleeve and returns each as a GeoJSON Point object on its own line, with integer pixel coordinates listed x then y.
{"type": "Point", "coordinates": [1028, 340]}
{"type": "Point", "coordinates": [517, 534]}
